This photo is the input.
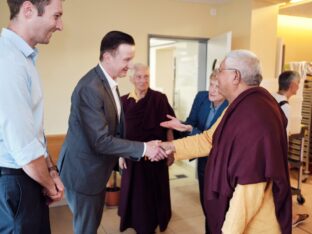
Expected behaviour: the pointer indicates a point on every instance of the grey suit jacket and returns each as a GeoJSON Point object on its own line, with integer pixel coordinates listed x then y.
{"type": "Point", "coordinates": [93, 142]}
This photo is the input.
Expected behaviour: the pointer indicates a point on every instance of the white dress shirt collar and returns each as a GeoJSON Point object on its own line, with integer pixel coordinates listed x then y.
{"type": "Point", "coordinates": [112, 83]}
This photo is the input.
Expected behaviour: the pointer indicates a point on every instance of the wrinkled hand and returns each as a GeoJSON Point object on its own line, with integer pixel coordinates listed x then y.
{"type": "Point", "coordinates": [122, 163]}
{"type": "Point", "coordinates": [154, 152]}
{"type": "Point", "coordinates": [168, 147]}
{"type": "Point", "coordinates": [176, 124]}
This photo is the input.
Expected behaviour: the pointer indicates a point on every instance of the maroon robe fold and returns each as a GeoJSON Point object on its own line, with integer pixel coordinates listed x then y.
{"type": "Point", "coordinates": [145, 195]}
{"type": "Point", "coordinates": [249, 146]}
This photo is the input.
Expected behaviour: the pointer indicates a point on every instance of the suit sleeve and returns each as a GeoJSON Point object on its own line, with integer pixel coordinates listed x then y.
{"type": "Point", "coordinates": [96, 128]}
{"type": "Point", "coordinates": [193, 117]}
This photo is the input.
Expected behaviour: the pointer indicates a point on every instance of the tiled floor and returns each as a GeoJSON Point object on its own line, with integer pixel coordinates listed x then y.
{"type": "Point", "coordinates": [187, 215]}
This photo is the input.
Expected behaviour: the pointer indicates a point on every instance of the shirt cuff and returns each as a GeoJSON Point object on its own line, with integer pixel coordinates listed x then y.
{"type": "Point", "coordinates": [29, 153]}
{"type": "Point", "coordinates": [144, 150]}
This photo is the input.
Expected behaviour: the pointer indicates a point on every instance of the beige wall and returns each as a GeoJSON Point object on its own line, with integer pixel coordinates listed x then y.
{"type": "Point", "coordinates": [263, 37]}
{"type": "Point", "coordinates": [74, 51]}
{"type": "Point", "coordinates": [235, 17]}
{"type": "Point", "coordinates": [296, 33]}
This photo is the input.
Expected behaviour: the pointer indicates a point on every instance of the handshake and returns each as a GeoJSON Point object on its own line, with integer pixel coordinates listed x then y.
{"type": "Point", "coordinates": [155, 151]}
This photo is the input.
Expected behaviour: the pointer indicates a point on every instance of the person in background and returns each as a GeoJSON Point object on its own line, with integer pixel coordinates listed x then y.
{"type": "Point", "coordinates": [247, 187]}
{"type": "Point", "coordinates": [206, 109]}
{"type": "Point", "coordinates": [94, 141]}
{"type": "Point", "coordinates": [288, 85]}
{"type": "Point", "coordinates": [29, 180]}
{"type": "Point", "coordinates": [145, 193]}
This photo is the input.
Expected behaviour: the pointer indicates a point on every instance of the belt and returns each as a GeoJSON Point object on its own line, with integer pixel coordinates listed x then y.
{"type": "Point", "coordinates": [11, 171]}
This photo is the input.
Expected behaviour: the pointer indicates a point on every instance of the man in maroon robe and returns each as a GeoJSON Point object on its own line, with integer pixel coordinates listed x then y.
{"type": "Point", "coordinates": [145, 195]}
{"type": "Point", "coordinates": [246, 183]}
{"type": "Point", "coordinates": [249, 149]}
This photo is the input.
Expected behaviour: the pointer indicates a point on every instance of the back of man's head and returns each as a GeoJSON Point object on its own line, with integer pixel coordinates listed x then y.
{"type": "Point", "coordinates": [247, 64]}
{"type": "Point", "coordinates": [285, 79]}
{"type": "Point", "coordinates": [112, 40]}
{"type": "Point", "coordinates": [15, 6]}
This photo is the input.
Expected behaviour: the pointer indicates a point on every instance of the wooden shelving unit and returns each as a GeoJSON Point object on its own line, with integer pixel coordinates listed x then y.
{"type": "Point", "coordinates": [307, 121]}
{"type": "Point", "coordinates": [295, 144]}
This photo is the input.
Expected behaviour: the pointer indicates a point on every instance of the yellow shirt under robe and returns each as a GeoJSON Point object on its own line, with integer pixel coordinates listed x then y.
{"type": "Point", "coordinates": [252, 209]}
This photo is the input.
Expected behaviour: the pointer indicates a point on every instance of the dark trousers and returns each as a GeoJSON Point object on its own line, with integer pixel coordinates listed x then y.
{"type": "Point", "coordinates": [87, 211]}
{"type": "Point", "coordinates": [201, 165]}
{"type": "Point", "coordinates": [22, 206]}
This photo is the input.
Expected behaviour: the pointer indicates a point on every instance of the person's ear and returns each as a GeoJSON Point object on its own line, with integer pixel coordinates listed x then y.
{"type": "Point", "coordinates": [27, 9]}
{"type": "Point", "coordinates": [237, 78]}
{"type": "Point", "coordinates": [292, 86]}
{"type": "Point", "coordinates": [106, 56]}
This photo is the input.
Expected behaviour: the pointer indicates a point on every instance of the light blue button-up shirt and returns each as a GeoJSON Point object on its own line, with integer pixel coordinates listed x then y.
{"type": "Point", "coordinates": [21, 103]}
{"type": "Point", "coordinates": [212, 113]}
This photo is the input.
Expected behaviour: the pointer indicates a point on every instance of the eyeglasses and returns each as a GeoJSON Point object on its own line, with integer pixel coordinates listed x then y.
{"type": "Point", "coordinates": [220, 70]}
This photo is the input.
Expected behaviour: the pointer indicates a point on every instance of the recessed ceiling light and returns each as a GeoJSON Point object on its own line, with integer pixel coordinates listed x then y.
{"type": "Point", "coordinates": [295, 1]}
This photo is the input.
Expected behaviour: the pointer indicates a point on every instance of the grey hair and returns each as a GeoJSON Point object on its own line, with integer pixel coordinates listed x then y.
{"type": "Point", "coordinates": [136, 67]}
{"type": "Point", "coordinates": [247, 63]}
{"type": "Point", "coordinates": [213, 75]}
{"type": "Point", "coordinates": [285, 79]}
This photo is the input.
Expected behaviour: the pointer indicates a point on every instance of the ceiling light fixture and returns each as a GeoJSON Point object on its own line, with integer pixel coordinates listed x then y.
{"type": "Point", "coordinates": [295, 1]}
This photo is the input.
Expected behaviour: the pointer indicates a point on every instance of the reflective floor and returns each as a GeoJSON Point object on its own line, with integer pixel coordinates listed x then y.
{"type": "Point", "coordinates": [187, 214]}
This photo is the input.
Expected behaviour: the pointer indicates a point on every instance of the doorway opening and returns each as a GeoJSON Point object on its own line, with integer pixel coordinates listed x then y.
{"type": "Point", "coordinates": [178, 68]}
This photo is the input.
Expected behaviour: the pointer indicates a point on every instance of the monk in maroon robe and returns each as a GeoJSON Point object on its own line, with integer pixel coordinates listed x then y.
{"type": "Point", "coordinates": [249, 147]}
{"type": "Point", "coordinates": [145, 194]}
{"type": "Point", "coordinates": [246, 183]}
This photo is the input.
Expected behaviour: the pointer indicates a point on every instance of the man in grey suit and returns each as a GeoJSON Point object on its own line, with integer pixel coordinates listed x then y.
{"type": "Point", "coordinates": [94, 139]}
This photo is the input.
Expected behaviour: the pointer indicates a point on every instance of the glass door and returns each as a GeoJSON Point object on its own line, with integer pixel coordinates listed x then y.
{"type": "Point", "coordinates": [178, 69]}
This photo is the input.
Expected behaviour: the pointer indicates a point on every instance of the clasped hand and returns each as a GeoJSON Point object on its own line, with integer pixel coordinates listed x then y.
{"type": "Point", "coordinates": [154, 151]}
{"type": "Point", "coordinates": [157, 150]}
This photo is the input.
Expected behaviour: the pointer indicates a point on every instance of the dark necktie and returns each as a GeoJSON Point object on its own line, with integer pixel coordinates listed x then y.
{"type": "Point", "coordinates": [117, 90]}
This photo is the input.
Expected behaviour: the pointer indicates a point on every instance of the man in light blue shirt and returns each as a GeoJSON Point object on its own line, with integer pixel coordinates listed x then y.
{"type": "Point", "coordinates": [28, 179]}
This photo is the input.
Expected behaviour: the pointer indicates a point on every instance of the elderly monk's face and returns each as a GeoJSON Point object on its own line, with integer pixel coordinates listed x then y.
{"type": "Point", "coordinates": [225, 78]}
{"type": "Point", "coordinates": [140, 79]}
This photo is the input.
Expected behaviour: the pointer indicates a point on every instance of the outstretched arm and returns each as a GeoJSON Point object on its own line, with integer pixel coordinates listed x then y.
{"type": "Point", "coordinates": [176, 124]}
{"type": "Point", "coordinates": [193, 146]}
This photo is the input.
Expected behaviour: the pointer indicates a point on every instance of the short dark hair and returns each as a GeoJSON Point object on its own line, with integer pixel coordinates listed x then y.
{"type": "Point", "coordinates": [285, 79]}
{"type": "Point", "coordinates": [112, 40]}
{"type": "Point", "coordinates": [15, 6]}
